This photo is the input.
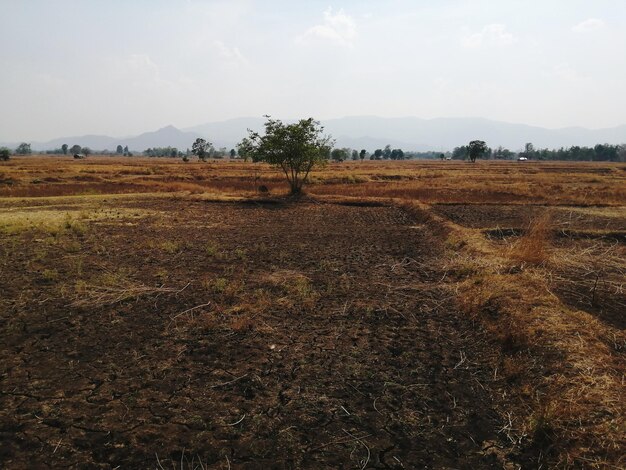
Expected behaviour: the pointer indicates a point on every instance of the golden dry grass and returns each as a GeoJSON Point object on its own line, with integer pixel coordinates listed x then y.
{"type": "Point", "coordinates": [553, 183]}
{"type": "Point", "coordinates": [533, 246]}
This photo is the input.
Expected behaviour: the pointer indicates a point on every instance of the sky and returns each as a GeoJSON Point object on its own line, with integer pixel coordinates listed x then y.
{"type": "Point", "coordinates": [122, 67]}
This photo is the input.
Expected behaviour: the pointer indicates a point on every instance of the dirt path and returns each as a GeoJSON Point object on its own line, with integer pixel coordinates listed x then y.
{"type": "Point", "coordinates": [325, 339]}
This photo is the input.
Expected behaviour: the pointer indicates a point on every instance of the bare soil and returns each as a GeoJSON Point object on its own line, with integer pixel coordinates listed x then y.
{"type": "Point", "coordinates": [325, 336]}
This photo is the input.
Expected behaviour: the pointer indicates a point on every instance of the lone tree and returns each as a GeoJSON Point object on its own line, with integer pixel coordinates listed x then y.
{"type": "Point", "coordinates": [23, 149]}
{"type": "Point", "coordinates": [339, 155]}
{"type": "Point", "coordinates": [295, 148]}
{"type": "Point", "coordinates": [244, 149]}
{"type": "Point", "coordinates": [75, 149]}
{"type": "Point", "coordinates": [64, 149]}
{"type": "Point", "coordinates": [5, 154]}
{"type": "Point", "coordinates": [476, 149]}
{"type": "Point", "coordinates": [201, 149]}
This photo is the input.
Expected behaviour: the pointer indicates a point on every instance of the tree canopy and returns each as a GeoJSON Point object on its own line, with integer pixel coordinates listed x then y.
{"type": "Point", "coordinates": [5, 153]}
{"type": "Point", "coordinates": [295, 148]}
{"type": "Point", "coordinates": [201, 149]}
{"type": "Point", "coordinates": [476, 149]}
{"type": "Point", "coordinates": [23, 149]}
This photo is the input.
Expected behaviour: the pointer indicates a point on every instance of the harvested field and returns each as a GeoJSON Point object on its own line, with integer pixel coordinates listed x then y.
{"type": "Point", "coordinates": [161, 314]}
{"type": "Point", "coordinates": [290, 333]}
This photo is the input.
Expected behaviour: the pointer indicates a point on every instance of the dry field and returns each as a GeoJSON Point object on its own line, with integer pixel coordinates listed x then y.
{"type": "Point", "coordinates": [157, 314]}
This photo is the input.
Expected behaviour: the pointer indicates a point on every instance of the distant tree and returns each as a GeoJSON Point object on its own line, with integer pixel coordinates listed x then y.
{"type": "Point", "coordinates": [378, 154]}
{"type": "Point", "coordinates": [233, 153]}
{"type": "Point", "coordinates": [529, 151]}
{"type": "Point", "coordinates": [362, 154]}
{"type": "Point", "coordinates": [355, 155]}
{"type": "Point", "coordinates": [442, 157]}
{"type": "Point", "coordinates": [75, 149]}
{"type": "Point", "coordinates": [387, 152]}
{"type": "Point", "coordinates": [295, 148]}
{"type": "Point", "coordinates": [126, 153]}
{"type": "Point", "coordinates": [174, 152]}
{"type": "Point", "coordinates": [119, 150]}
{"type": "Point", "coordinates": [201, 149]}
{"type": "Point", "coordinates": [338, 155]}
{"type": "Point", "coordinates": [86, 151]}
{"type": "Point", "coordinates": [397, 154]}
{"type": "Point", "coordinates": [64, 149]}
{"type": "Point", "coordinates": [460, 153]}
{"type": "Point", "coordinates": [621, 153]}
{"type": "Point", "coordinates": [476, 149]}
{"type": "Point", "coordinates": [23, 149]}
{"type": "Point", "coordinates": [5, 154]}
{"type": "Point", "coordinates": [245, 149]}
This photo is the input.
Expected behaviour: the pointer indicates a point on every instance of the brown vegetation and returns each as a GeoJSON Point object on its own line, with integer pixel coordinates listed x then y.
{"type": "Point", "coordinates": [407, 314]}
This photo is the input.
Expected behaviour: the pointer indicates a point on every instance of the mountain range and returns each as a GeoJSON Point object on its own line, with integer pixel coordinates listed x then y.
{"type": "Point", "coordinates": [368, 132]}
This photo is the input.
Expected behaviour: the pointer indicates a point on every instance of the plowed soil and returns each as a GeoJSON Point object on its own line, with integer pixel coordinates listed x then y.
{"type": "Point", "coordinates": [292, 336]}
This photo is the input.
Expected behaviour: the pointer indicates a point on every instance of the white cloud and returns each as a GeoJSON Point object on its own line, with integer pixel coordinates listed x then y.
{"type": "Point", "coordinates": [229, 53]}
{"type": "Point", "coordinates": [338, 28]}
{"type": "Point", "coordinates": [588, 26]}
{"type": "Point", "coordinates": [491, 35]}
{"type": "Point", "coordinates": [564, 72]}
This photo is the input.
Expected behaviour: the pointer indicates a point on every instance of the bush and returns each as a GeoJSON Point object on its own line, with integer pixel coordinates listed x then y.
{"type": "Point", "coordinates": [5, 154]}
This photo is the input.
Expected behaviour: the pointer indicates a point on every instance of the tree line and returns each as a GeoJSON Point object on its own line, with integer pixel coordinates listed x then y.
{"type": "Point", "coordinates": [597, 153]}
{"type": "Point", "coordinates": [205, 150]}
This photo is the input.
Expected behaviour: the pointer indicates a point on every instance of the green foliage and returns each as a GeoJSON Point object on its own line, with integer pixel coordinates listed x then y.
{"type": "Point", "coordinates": [23, 149]}
{"type": "Point", "coordinates": [387, 152]}
{"type": "Point", "coordinates": [295, 148]}
{"type": "Point", "coordinates": [5, 154]}
{"type": "Point", "coordinates": [75, 149]}
{"type": "Point", "coordinates": [202, 149]}
{"type": "Point", "coordinates": [476, 149]}
{"type": "Point", "coordinates": [397, 154]}
{"type": "Point", "coordinates": [162, 152]}
{"type": "Point", "coordinates": [244, 149]}
{"type": "Point", "coordinates": [339, 155]}
{"type": "Point", "coordinates": [64, 149]}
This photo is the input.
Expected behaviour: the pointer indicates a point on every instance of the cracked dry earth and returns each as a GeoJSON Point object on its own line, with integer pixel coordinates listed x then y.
{"type": "Point", "coordinates": [326, 338]}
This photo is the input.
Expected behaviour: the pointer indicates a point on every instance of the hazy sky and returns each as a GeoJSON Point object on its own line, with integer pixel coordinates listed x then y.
{"type": "Point", "coordinates": [121, 67]}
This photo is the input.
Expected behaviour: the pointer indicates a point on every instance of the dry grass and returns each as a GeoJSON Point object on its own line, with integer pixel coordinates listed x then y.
{"type": "Point", "coordinates": [566, 364]}
{"type": "Point", "coordinates": [553, 183]}
{"type": "Point", "coordinates": [576, 412]}
{"type": "Point", "coordinates": [93, 296]}
{"type": "Point", "coordinates": [533, 247]}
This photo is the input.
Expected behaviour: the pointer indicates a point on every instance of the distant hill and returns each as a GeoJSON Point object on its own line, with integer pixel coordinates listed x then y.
{"type": "Point", "coordinates": [411, 133]}
{"type": "Point", "coordinates": [364, 132]}
{"type": "Point", "coordinates": [165, 137]}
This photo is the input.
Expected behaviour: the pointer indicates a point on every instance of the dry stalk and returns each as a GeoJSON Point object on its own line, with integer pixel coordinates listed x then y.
{"type": "Point", "coordinates": [99, 296]}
